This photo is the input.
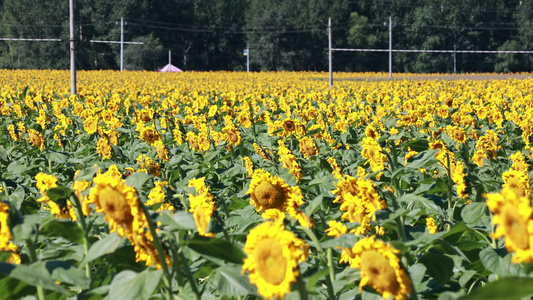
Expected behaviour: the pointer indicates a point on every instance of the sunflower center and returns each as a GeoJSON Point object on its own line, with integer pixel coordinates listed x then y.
{"type": "Point", "coordinates": [515, 227]}
{"type": "Point", "coordinates": [115, 205]}
{"type": "Point", "coordinates": [270, 262]}
{"type": "Point", "coordinates": [268, 195]}
{"type": "Point", "coordinates": [381, 275]}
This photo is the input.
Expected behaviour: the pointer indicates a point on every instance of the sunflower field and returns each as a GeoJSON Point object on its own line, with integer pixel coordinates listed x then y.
{"type": "Point", "coordinates": [234, 185]}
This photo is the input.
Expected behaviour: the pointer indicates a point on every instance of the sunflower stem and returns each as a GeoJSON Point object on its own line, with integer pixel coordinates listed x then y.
{"type": "Point", "coordinates": [33, 258]}
{"type": "Point", "coordinates": [81, 221]}
{"type": "Point", "coordinates": [301, 288]}
{"type": "Point", "coordinates": [322, 256]}
{"type": "Point", "coordinates": [167, 281]}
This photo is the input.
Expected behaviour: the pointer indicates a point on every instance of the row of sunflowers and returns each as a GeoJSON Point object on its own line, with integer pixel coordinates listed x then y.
{"type": "Point", "coordinates": [241, 185]}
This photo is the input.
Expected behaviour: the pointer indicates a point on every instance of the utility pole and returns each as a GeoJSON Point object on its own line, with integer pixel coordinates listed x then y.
{"type": "Point", "coordinates": [390, 47]}
{"type": "Point", "coordinates": [72, 53]}
{"type": "Point", "coordinates": [122, 42]}
{"type": "Point", "coordinates": [247, 58]}
{"type": "Point", "coordinates": [330, 55]}
{"type": "Point", "coordinates": [454, 59]}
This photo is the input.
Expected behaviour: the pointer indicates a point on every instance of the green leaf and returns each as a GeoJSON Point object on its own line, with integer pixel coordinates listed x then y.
{"type": "Point", "coordinates": [422, 159]}
{"type": "Point", "coordinates": [217, 248]}
{"type": "Point", "coordinates": [65, 229]}
{"type": "Point", "coordinates": [473, 212]}
{"type": "Point", "coordinates": [102, 247]}
{"type": "Point", "coordinates": [417, 272]}
{"type": "Point", "coordinates": [131, 285]}
{"type": "Point", "coordinates": [65, 272]}
{"type": "Point", "coordinates": [313, 205]}
{"type": "Point", "coordinates": [490, 260]}
{"type": "Point", "coordinates": [87, 174]}
{"type": "Point", "coordinates": [417, 145]}
{"type": "Point", "coordinates": [229, 282]}
{"type": "Point", "coordinates": [17, 197]}
{"type": "Point", "coordinates": [504, 289]}
{"type": "Point", "coordinates": [59, 195]}
{"type": "Point", "coordinates": [180, 220]}
{"type": "Point", "coordinates": [34, 275]}
{"type": "Point", "coordinates": [138, 179]}
{"type": "Point", "coordinates": [12, 288]}
{"type": "Point", "coordinates": [438, 266]}
{"type": "Point", "coordinates": [313, 279]}
{"type": "Point", "coordinates": [57, 157]}
{"type": "Point", "coordinates": [344, 241]}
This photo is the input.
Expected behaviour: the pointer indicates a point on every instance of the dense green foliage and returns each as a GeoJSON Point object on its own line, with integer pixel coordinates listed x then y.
{"type": "Point", "coordinates": [282, 35]}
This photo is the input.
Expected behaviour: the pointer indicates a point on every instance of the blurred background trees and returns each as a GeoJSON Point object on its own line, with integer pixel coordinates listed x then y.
{"type": "Point", "coordinates": [282, 35]}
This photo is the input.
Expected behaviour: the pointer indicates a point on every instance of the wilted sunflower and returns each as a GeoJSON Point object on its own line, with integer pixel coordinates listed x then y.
{"type": "Point", "coordinates": [118, 202]}
{"type": "Point", "coordinates": [512, 219]}
{"type": "Point", "coordinates": [269, 192]}
{"type": "Point", "coordinates": [273, 256]}
{"type": "Point", "coordinates": [380, 268]}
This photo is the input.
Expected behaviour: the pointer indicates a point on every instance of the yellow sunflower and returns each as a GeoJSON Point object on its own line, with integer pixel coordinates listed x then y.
{"type": "Point", "coordinates": [202, 205]}
{"type": "Point", "coordinates": [162, 152]}
{"type": "Point", "coordinates": [103, 148]}
{"type": "Point", "coordinates": [118, 202]}
{"type": "Point", "coordinates": [308, 147]}
{"type": "Point", "coordinates": [150, 135]}
{"type": "Point", "coordinates": [269, 192]}
{"type": "Point", "coordinates": [373, 153]}
{"type": "Point", "coordinates": [273, 256]}
{"type": "Point", "coordinates": [43, 184]}
{"type": "Point", "coordinates": [431, 225]}
{"type": "Point", "coordinates": [36, 139]}
{"type": "Point", "coordinates": [337, 171]}
{"type": "Point", "coordinates": [380, 268]}
{"type": "Point", "coordinates": [512, 219]}
{"type": "Point", "coordinates": [249, 166]}
{"type": "Point", "coordinates": [289, 162]}
{"type": "Point", "coordinates": [143, 245]}
{"type": "Point", "coordinates": [5, 235]}
{"type": "Point", "coordinates": [232, 135]}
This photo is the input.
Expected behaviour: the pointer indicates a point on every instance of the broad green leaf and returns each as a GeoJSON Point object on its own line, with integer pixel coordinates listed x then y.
{"type": "Point", "coordinates": [131, 285]}
{"type": "Point", "coordinates": [217, 248]}
{"type": "Point", "coordinates": [504, 289]}
{"type": "Point", "coordinates": [490, 260]}
{"type": "Point", "coordinates": [17, 197]}
{"type": "Point", "coordinates": [64, 228]}
{"type": "Point", "coordinates": [59, 194]}
{"type": "Point", "coordinates": [313, 205]}
{"type": "Point", "coordinates": [102, 247]}
{"type": "Point", "coordinates": [473, 212]}
{"type": "Point", "coordinates": [229, 282]}
{"type": "Point", "coordinates": [65, 272]}
{"type": "Point", "coordinates": [12, 288]}
{"type": "Point", "coordinates": [180, 220]}
{"type": "Point", "coordinates": [57, 157]}
{"type": "Point", "coordinates": [344, 241]}
{"type": "Point", "coordinates": [417, 272]}
{"type": "Point", "coordinates": [417, 145]}
{"type": "Point", "coordinates": [313, 279]}
{"type": "Point", "coordinates": [438, 266]}
{"type": "Point", "coordinates": [138, 179]}
{"type": "Point", "coordinates": [87, 174]}
{"type": "Point", "coordinates": [422, 159]}
{"type": "Point", "coordinates": [35, 275]}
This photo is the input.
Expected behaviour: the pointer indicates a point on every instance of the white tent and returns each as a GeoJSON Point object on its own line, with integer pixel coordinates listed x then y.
{"type": "Point", "coordinates": [170, 67]}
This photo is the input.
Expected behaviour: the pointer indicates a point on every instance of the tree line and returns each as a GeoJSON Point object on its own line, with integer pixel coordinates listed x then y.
{"type": "Point", "coordinates": [281, 35]}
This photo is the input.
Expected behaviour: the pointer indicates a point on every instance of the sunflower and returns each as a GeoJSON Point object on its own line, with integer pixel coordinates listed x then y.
{"type": "Point", "coordinates": [289, 162]}
{"type": "Point", "coordinates": [456, 133]}
{"type": "Point", "coordinates": [431, 225]}
{"type": "Point", "coordinates": [202, 205]}
{"type": "Point", "coordinates": [144, 248]}
{"type": "Point", "coordinates": [273, 256]}
{"type": "Point", "coordinates": [232, 135]}
{"type": "Point", "coordinates": [373, 154]}
{"type": "Point", "coordinates": [512, 219]}
{"type": "Point", "coordinates": [103, 148]}
{"type": "Point", "coordinates": [43, 184]}
{"type": "Point", "coordinates": [150, 135]}
{"type": "Point", "coordinates": [336, 229]}
{"type": "Point", "coordinates": [162, 152]}
{"type": "Point", "coordinates": [269, 192]}
{"type": "Point", "coordinates": [337, 171]}
{"type": "Point", "coordinates": [517, 181]}
{"type": "Point", "coordinates": [380, 268]}
{"type": "Point", "coordinates": [36, 139]}
{"type": "Point", "coordinates": [91, 124]}
{"type": "Point", "coordinates": [249, 166]}
{"type": "Point", "coordinates": [308, 147]}
{"type": "Point", "coordinates": [118, 201]}
{"type": "Point", "coordinates": [12, 132]}
{"type": "Point", "coordinates": [157, 195]}
{"type": "Point", "coordinates": [5, 235]}
{"type": "Point", "coordinates": [178, 136]}
{"type": "Point", "coordinates": [148, 165]}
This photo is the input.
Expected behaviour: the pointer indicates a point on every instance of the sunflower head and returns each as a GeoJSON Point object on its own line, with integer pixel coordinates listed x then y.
{"type": "Point", "coordinates": [268, 191]}
{"type": "Point", "coordinates": [273, 256]}
{"type": "Point", "coordinates": [380, 268]}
